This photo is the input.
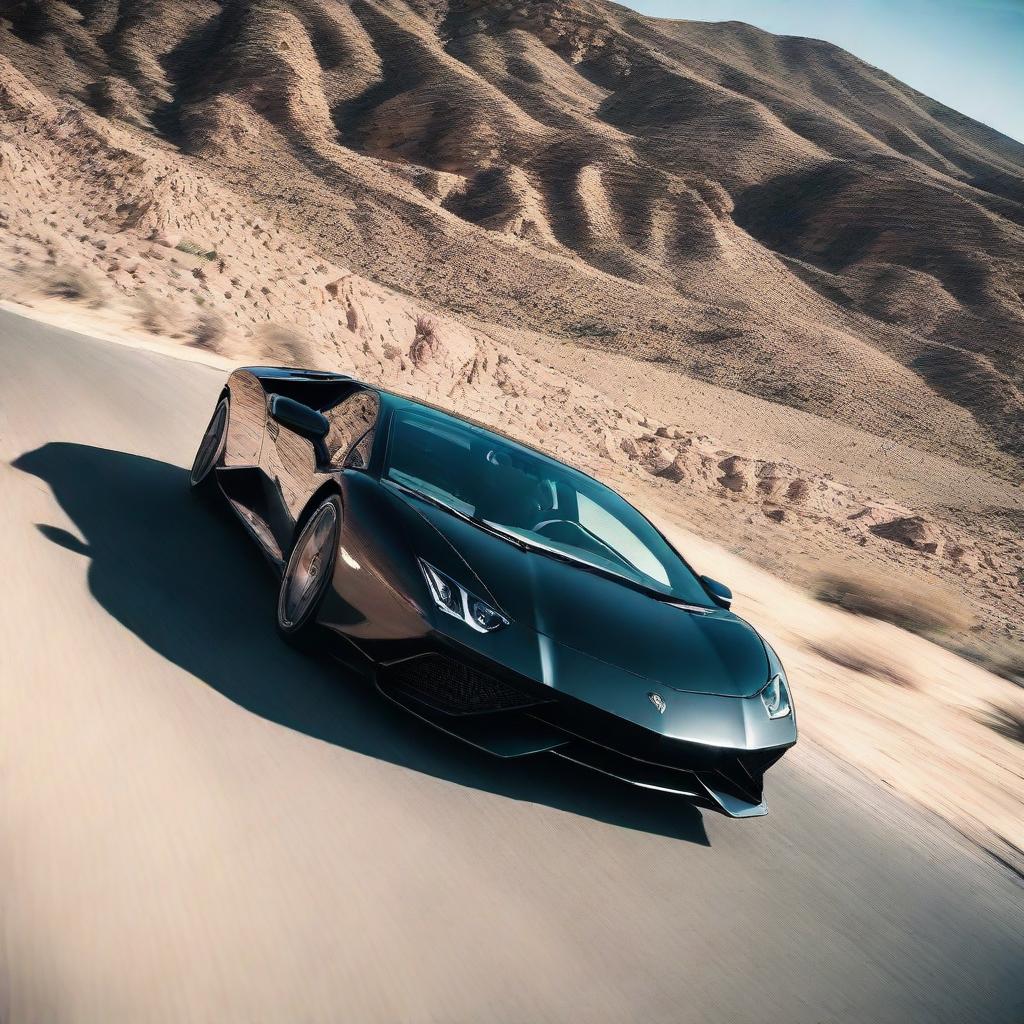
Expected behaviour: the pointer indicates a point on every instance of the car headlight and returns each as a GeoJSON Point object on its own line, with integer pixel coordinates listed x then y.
{"type": "Point", "coordinates": [775, 697]}
{"type": "Point", "coordinates": [455, 600]}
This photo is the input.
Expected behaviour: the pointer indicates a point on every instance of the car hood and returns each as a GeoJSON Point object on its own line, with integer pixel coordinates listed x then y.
{"type": "Point", "coordinates": [714, 653]}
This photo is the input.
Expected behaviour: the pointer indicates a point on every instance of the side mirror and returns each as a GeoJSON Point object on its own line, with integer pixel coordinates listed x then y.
{"type": "Point", "coordinates": [719, 592]}
{"type": "Point", "coordinates": [298, 417]}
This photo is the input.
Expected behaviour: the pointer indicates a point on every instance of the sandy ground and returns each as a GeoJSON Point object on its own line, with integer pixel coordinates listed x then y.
{"type": "Point", "coordinates": [199, 824]}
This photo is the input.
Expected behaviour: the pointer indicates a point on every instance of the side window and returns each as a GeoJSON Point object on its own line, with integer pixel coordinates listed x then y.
{"type": "Point", "coordinates": [359, 455]}
{"type": "Point", "coordinates": [352, 421]}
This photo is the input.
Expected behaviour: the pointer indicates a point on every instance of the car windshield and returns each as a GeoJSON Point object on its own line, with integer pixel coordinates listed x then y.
{"type": "Point", "coordinates": [536, 500]}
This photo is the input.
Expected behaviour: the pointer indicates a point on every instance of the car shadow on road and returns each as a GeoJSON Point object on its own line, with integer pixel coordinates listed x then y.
{"type": "Point", "coordinates": [192, 587]}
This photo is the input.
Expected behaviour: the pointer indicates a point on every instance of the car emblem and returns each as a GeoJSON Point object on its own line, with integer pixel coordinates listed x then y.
{"type": "Point", "coordinates": [658, 701]}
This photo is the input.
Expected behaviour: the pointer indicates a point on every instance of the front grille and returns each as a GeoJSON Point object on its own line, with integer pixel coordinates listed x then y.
{"type": "Point", "coordinates": [634, 741]}
{"type": "Point", "coordinates": [452, 687]}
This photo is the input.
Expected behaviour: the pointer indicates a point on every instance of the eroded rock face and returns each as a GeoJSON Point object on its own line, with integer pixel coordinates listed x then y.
{"type": "Point", "coordinates": [734, 473]}
{"type": "Point", "coordinates": [787, 494]}
{"type": "Point", "coordinates": [426, 345]}
{"type": "Point", "coordinates": [691, 466]}
{"type": "Point", "coordinates": [523, 161]}
{"type": "Point", "coordinates": [913, 532]}
{"type": "Point", "coordinates": [798, 489]}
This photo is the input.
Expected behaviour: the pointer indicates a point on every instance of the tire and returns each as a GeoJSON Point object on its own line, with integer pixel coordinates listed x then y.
{"type": "Point", "coordinates": [308, 573]}
{"type": "Point", "coordinates": [202, 480]}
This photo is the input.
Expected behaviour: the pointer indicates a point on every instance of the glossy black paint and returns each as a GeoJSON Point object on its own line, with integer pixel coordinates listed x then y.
{"type": "Point", "coordinates": [636, 687]}
{"type": "Point", "coordinates": [306, 422]}
{"type": "Point", "coordinates": [719, 592]}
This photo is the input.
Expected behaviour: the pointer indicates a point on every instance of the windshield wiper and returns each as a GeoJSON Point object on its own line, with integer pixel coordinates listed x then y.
{"type": "Point", "coordinates": [563, 556]}
{"type": "Point", "coordinates": [482, 524]}
{"type": "Point", "coordinates": [601, 570]}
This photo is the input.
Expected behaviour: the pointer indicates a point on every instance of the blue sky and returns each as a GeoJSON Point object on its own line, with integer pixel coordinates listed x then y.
{"type": "Point", "coordinates": [969, 54]}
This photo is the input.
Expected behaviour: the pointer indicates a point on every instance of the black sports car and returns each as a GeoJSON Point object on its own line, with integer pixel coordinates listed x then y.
{"type": "Point", "coordinates": [500, 595]}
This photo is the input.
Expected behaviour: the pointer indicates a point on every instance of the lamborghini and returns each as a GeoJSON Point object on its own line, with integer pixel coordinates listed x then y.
{"type": "Point", "coordinates": [498, 594]}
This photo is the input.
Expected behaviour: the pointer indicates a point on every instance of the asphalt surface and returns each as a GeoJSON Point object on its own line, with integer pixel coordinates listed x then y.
{"type": "Point", "coordinates": [198, 824]}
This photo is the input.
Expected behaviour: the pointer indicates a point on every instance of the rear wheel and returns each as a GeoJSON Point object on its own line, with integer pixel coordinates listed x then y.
{"type": "Point", "coordinates": [211, 450]}
{"type": "Point", "coordinates": [308, 573]}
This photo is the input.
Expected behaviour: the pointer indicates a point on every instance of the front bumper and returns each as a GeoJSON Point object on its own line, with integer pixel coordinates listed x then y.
{"type": "Point", "coordinates": [507, 715]}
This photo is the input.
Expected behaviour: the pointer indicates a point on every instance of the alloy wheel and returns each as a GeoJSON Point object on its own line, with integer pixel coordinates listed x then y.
{"type": "Point", "coordinates": [309, 567]}
{"type": "Point", "coordinates": [211, 448]}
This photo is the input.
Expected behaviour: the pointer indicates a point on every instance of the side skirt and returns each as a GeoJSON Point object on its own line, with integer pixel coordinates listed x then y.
{"type": "Point", "coordinates": [241, 487]}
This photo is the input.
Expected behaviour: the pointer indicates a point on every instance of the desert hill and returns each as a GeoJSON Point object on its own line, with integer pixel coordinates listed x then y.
{"type": "Point", "coordinates": [765, 213]}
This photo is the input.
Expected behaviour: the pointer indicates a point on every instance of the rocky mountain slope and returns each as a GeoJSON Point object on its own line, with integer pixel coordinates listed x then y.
{"type": "Point", "coordinates": [766, 213]}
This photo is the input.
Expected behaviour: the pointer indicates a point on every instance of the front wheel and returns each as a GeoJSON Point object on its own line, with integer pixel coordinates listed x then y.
{"type": "Point", "coordinates": [308, 573]}
{"type": "Point", "coordinates": [211, 450]}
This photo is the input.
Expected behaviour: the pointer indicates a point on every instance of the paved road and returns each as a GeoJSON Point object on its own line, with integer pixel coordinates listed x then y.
{"type": "Point", "coordinates": [198, 824]}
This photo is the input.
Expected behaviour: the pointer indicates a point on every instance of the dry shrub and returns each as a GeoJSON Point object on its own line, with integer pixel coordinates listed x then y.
{"type": "Point", "coordinates": [288, 345]}
{"type": "Point", "coordinates": [74, 284]}
{"type": "Point", "coordinates": [208, 330]}
{"type": "Point", "coordinates": [194, 249]}
{"type": "Point", "coordinates": [1006, 721]}
{"type": "Point", "coordinates": [426, 328]}
{"type": "Point", "coordinates": [927, 608]}
{"type": "Point", "coordinates": [1007, 661]}
{"type": "Point", "coordinates": [151, 314]}
{"type": "Point", "coordinates": [859, 658]}
{"type": "Point", "coordinates": [1004, 659]}
{"type": "Point", "coordinates": [426, 344]}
